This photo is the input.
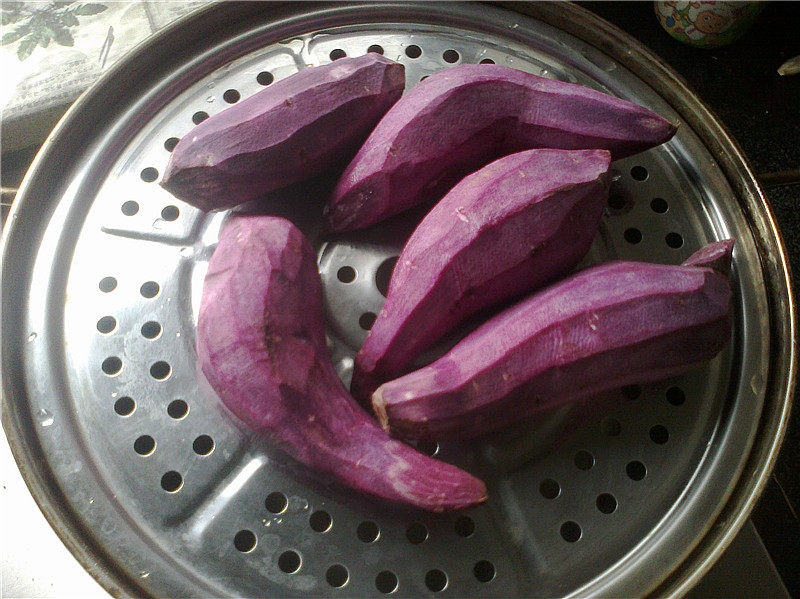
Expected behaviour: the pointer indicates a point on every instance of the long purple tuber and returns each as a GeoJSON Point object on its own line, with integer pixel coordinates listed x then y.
{"type": "Point", "coordinates": [604, 327]}
{"type": "Point", "coordinates": [290, 131]}
{"type": "Point", "coordinates": [261, 345]}
{"type": "Point", "coordinates": [462, 118]}
{"type": "Point", "coordinates": [510, 227]}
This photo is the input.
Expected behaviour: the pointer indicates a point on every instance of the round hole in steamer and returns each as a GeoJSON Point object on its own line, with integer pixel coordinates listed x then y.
{"type": "Point", "coordinates": [674, 240]}
{"type": "Point", "coordinates": [416, 533]}
{"type": "Point", "coordinates": [265, 78]}
{"type": "Point", "coordinates": [199, 116]}
{"type": "Point", "coordinates": [368, 532]}
{"type": "Point", "coordinates": [289, 562]}
{"type": "Point", "coordinates": [124, 406]}
{"type": "Point", "coordinates": [464, 526]}
{"type": "Point", "coordinates": [659, 205]}
{"type": "Point", "coordinates": [633, 235]}
{"type": "Point", "coordinates": [149, 174]}
{"type": "Point", "coordinates": [172, 481]}
{"type": "Point", "coordinates": [611, 427]}
{"type": "Point", "coordinates": [571, 531]}
{"type": "Point", "coordinates": [337, 54]}
{"type": "Point", "coordinates": [149, 289]}
{"type": "Point", "coordinates": [276, 502]}
{"type": "Point", "coordinates": [346, 274]}
{"type": "Point", "coordinates": [583, 460]}
{"type": "Point", "coordinates": [337, 575]}
{"type": "Point", "coordinates": [366, 320]}
{"type": "Point", "coordinates": [130, 208]}
{"type": "Point", "coordinates": [636, 470]}
{"type": "Point", "coordinates": [484, 571]}
{"type": "Point", "coordinates": [606, 503]}
{"type": "Point", "coordinates": [231, 96]}
{"type": "Point", "coordinates": [450, 56]}
{"type": "Point", "coordinates": [160, 370]}
{"type": "Point", "coordinates": [106, 324]}
{"type": "Point", "coordinates": [170, 213]}
{"type": "Point", "coordinates": [487, 61]}
{"type": "Point", "coordinates": [111, 365]}
{"type": "Point", "coordinates": [144, 445]}
{"type": "Point", "coordinates": [375, 48]}
{"type": "Point", "coordinates": [170, 143]}
{"type": "Point", "coordinates": [549, 488]}
{"type": "Point", "coordinates": [675, 396]}
{"type": "Point", "coordinates": [386, 582]}
{"type": "Point", "coordinates": [659, 434]}
{"type": "Point", "coordinates": [203, 445]}
{"type": "Point", "coordinates": [151, 329]}
{"type": "Point", "coordinates": [639, 173]}
{"type": "Point", "coordinates": [177, 409]}
{"type": "Point", "coordinates": [320, 521]}
{"type": "Point", "coordinates": [436, 580]}
{"type": "Point", "coordinates": [107, 284]}
{"type": "Point", "coordinates": [245, 541]}
{"type": "Point", "coordinates": [413, 51]}
{"type": "Point", "coordinates": [384, 274]}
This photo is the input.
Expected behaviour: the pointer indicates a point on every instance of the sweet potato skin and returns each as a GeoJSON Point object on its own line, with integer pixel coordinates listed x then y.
{"type": "Point", "coordinates": [508, 228]}
{"type": "Point", "coordinates": [605, 327]}
{"type": "Point", "coordinates": [462, 118]}
{"type": "Point", "coordinates": [288, 132]}
{"type": "Point", "coordinates": [261, 346]}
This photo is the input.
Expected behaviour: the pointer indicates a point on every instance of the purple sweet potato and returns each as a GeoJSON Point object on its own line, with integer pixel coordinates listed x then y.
{"type": "Point", "coordinates": [604, 327]}
{"type": "Point", "coordinates": [462, 118]}
{"type": "Point", "coordinates": [512, 226]}
{"type": "Point", "coordinates": [288, 132]}
{"type": "Point", "coordinates": [261, 345]}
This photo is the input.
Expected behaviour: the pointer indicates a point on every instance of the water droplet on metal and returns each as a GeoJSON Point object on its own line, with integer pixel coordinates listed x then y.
{"type": "Point", "coordinates": [158, 223]}
{"type": "Point", "coordinates": [45, 417]}
{"type": "Point", "coordinates": [187, 252]}
{"type": "Point", "coordinates": [210, 99]}
{"type": "Point", "coordinates": [31, 337]}
{"type": "Point", "coordinates": [144, 574]}
{"type": "Point", "coordinates": [91, 500]}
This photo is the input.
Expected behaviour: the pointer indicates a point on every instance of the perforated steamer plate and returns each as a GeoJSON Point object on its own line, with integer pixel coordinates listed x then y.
{"type": "Point", "coordinates": [157, 489]}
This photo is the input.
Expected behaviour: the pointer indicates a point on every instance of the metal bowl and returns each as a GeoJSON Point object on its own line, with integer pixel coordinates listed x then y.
{"type": "Point", "coordinates": [157, 490]}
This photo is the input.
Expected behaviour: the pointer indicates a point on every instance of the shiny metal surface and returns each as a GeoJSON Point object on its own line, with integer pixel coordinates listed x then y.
{"type": "Point", "coordinates": [98, 346]}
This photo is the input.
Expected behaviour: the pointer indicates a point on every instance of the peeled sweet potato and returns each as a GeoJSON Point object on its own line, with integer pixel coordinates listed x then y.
{"type": "Point", "coordinates": [512, 226]}
{"type": "Point", "coordinates": [462, 118]}
{"type": "Point", "coordinates": [288, 132]}
{"type": "Point", "coordinates": [605, 327]}
{"type": "Point", "coordinates": [261, 345]}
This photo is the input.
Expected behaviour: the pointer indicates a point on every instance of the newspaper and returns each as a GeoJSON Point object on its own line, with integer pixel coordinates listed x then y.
{"type": "Point", "coordinates": [52, 51]}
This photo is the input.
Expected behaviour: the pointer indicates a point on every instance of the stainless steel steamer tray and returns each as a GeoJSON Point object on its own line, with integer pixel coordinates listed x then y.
{"type": "Point", "coordinates": [157, 490]}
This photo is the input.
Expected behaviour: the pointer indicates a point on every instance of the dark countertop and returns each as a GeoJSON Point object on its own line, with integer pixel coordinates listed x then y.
{"type": "Point", "coordinates": [762, 110]}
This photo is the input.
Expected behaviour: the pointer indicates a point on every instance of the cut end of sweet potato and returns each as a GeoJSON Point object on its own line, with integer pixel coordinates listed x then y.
{"type": "Point", "coordinates": [379, 407]}
{"type": "Point", "coordinates": [716, 255]}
